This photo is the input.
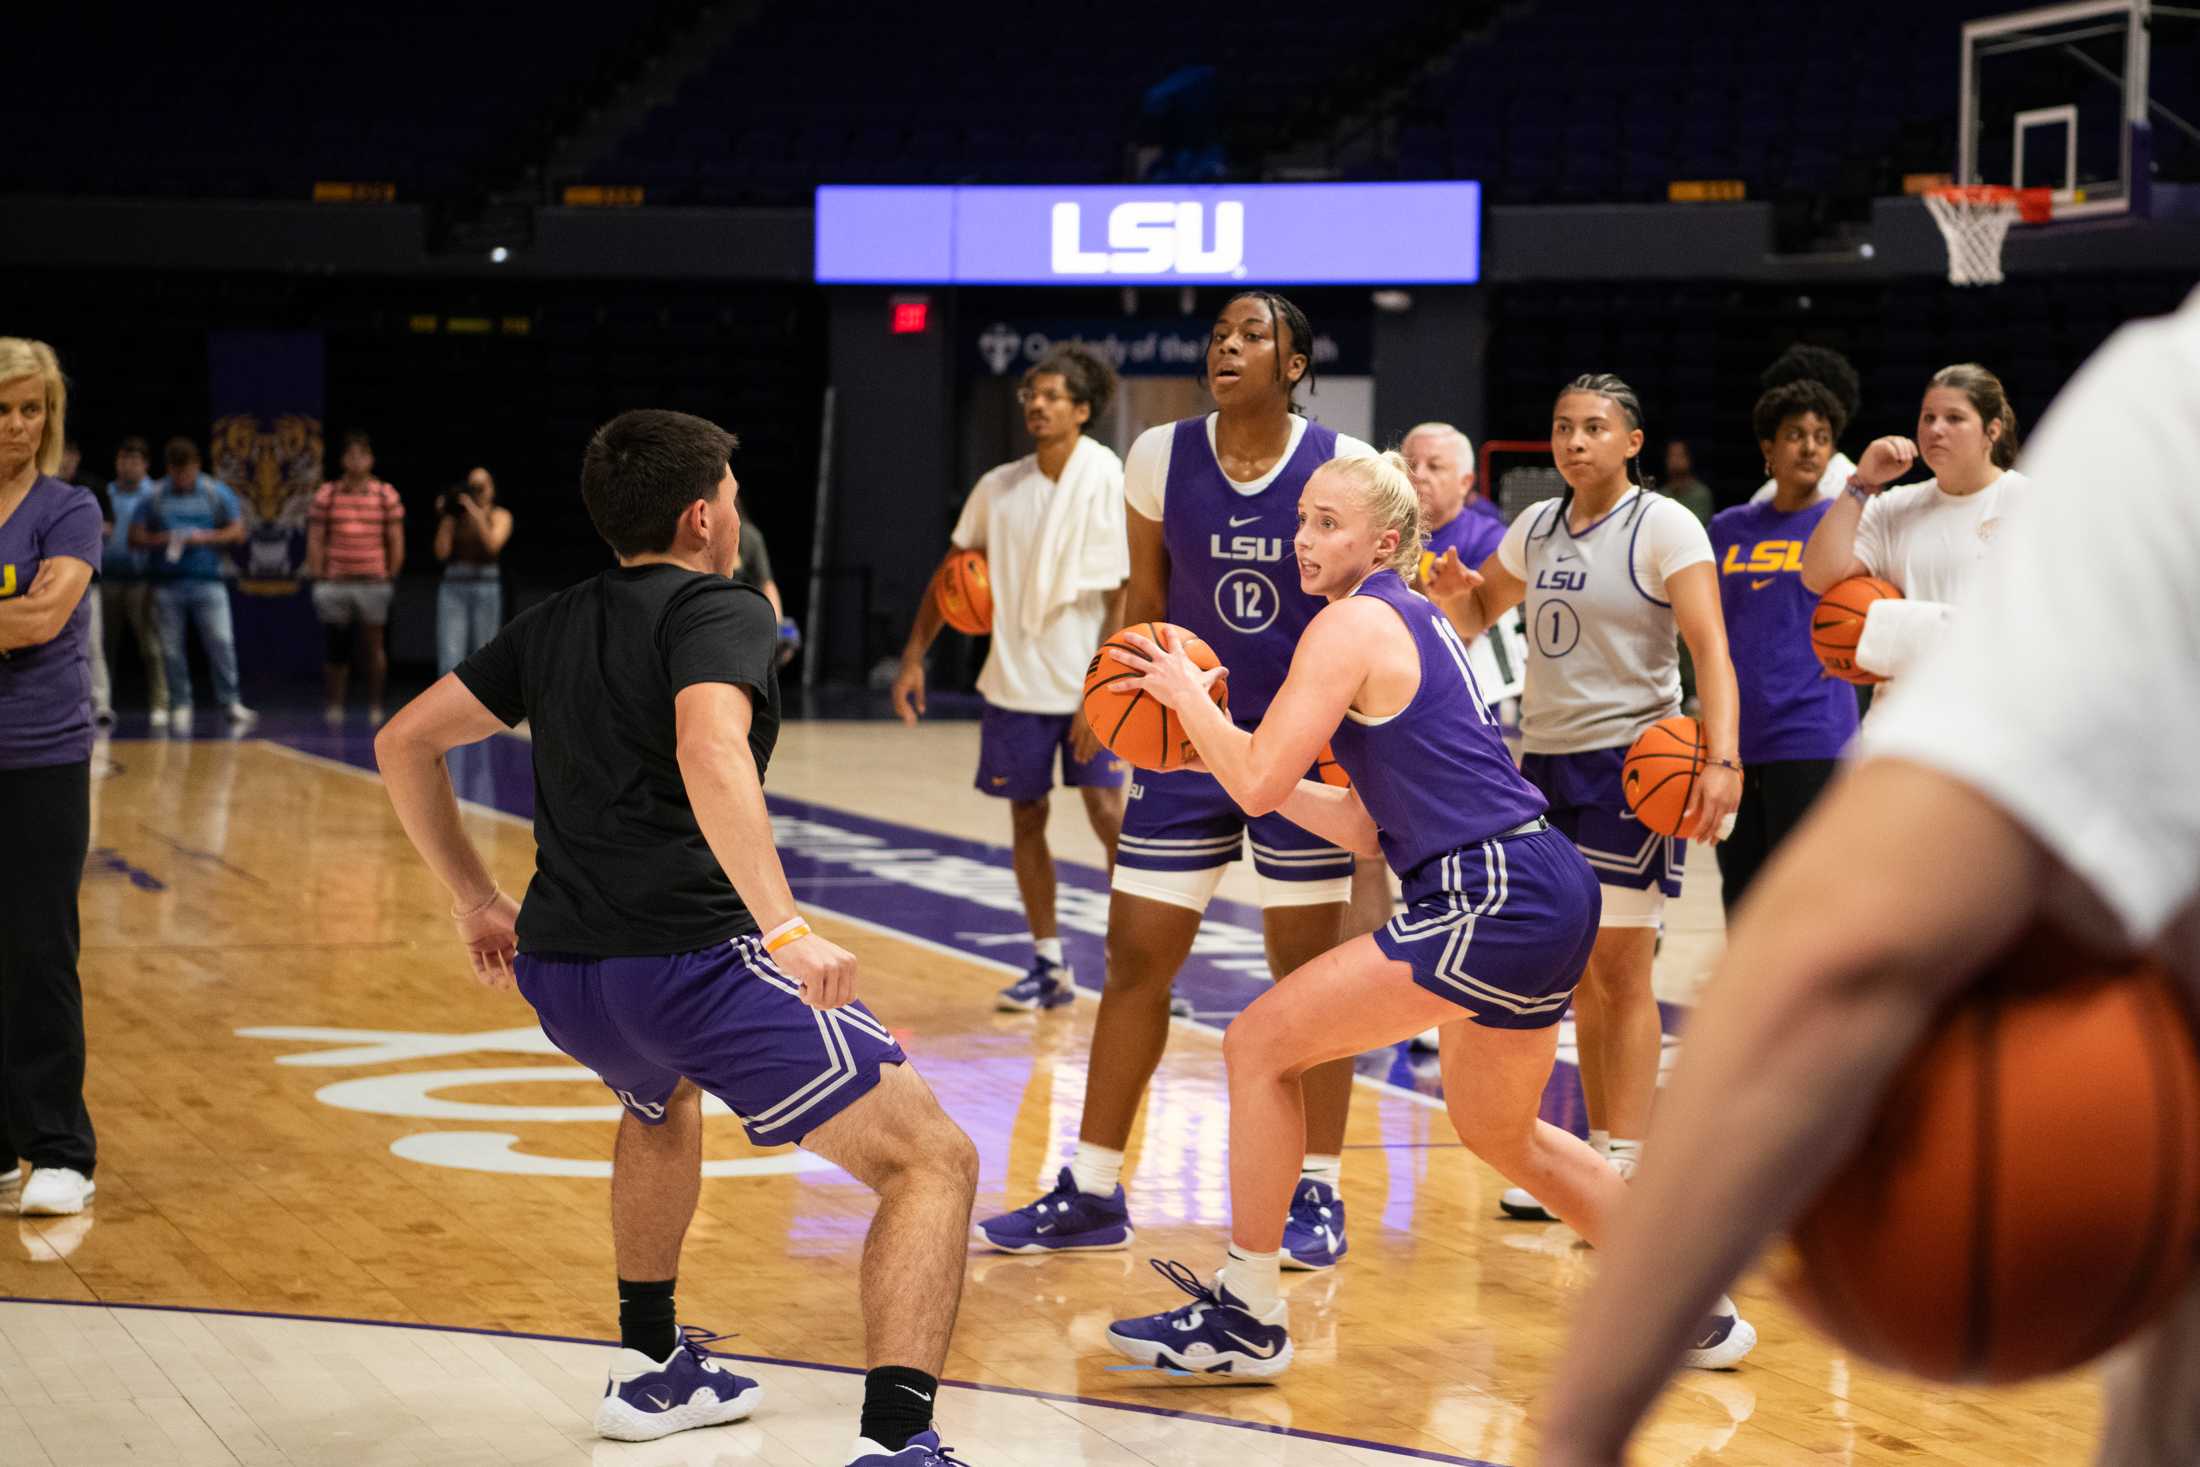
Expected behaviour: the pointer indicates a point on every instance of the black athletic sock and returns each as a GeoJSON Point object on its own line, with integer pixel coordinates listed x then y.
{"type": "Point", "coordinates": [897, 1404]}
{"type": "Point", "coordinates": [646, 1318]}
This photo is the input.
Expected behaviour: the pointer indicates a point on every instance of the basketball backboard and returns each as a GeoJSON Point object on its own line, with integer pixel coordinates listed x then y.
{"type": "Point", "coordinates": [2065, 97]}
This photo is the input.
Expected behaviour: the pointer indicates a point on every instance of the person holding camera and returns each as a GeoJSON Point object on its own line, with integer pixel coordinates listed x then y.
{"type": "Point", "coordinates": [471, 529]}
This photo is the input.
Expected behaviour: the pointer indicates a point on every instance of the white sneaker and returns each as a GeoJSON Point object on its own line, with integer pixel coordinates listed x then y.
{"type": "Point", "coordinates": [55, 1191]}
{"type": "Point", "coordinates": [157, 720]}
{"type": "Point", "coordinates": [179, 719]}
{"type": "Point", "coordinates": [1519, 1202]}
{"type": "Point", "coordinates": [241, 717]}
{"type": "Point", "coordinates": [1724, 1339]}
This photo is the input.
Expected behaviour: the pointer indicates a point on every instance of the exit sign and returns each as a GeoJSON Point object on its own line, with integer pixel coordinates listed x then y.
{"type": "Point", "coordinates": [911, 318]}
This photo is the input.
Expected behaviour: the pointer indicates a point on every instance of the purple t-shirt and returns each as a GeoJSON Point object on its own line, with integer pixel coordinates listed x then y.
{"type": "Point", "coordinates": [1473, 532]}
{"type": "Point", "coordinates": [1790, 708]}
{"type": "Point", "coordinates": [46, 691]}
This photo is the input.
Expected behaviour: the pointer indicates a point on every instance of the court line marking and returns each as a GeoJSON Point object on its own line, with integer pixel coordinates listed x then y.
{"type": "Point", "coordinates": [1375, 1082]}
{"type": "Point", "coordinates": [1052, 1397]}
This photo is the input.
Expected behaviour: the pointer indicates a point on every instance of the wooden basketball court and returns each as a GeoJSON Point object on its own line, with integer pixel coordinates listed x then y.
{"type": "Point", "coordinates": [351, 1207]}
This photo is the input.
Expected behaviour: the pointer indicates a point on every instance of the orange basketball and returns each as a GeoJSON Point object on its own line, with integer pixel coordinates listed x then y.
{"type": "Point", "coordinates": [1838, 623]}
{"type": "Point", "coordinates": [1329, 771]}
{"type": "Point", "coordinates": [964, 590]}
{"type": "Point", "coordinates": [2029, 1193]}
{"type": "Point", "coordinates": [1659, 773]}
{"type": "Point", "coordinates": [1135, 727]}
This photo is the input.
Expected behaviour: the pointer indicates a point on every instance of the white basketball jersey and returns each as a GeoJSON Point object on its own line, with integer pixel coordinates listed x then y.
{"type": "Point", "coordinates": [1605, 659]}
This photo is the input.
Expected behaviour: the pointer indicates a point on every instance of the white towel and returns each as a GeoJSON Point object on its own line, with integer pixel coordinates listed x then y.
{"type": "Point", "coordinates": [1898, 633]}
{"type": "Point", "coordinates": [1084, 545]}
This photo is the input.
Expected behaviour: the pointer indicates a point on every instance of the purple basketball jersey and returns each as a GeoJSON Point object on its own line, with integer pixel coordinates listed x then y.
{"type": "Point", "coordinates": [1435, 775]}
{"type": "Point", "coordinates": [1790, 708]}
{"type": "Point", "coordinates": [1233, 579]}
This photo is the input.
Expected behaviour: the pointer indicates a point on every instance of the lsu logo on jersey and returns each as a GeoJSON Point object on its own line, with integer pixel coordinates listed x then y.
{"type": "Point", "coordinates": [1548, 579]}
{"type": "Point", "coordinates": [1765, 557]}
{"type": "Point", "coordinates": [1245, 548]}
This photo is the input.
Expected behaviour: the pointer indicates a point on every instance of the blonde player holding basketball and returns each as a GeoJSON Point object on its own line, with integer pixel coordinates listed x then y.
{"type": "Point", "coordinates": [1607, 575]}
{"type": "Point", "coordinates": [1051, 526]}
{"type": "Point", "coordinates": [1501, 912]}
{"type": "Point", "coordinates": [1928, 538]}
{"type": "Point", "coordinates": [1213, 505]}
{"type": "Point", "coordinates": [1978, 807]}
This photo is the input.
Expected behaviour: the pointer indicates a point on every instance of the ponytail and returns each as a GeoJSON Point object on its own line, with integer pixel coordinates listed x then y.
{"type": "Point", "coordinates": [1991, 401]}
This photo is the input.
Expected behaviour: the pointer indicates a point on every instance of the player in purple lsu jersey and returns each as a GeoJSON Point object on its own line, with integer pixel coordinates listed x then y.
{"type": "Point", "coordinates": [1795, 720]}
{"type": "Point", "coordinates": [1501, 912]}
{"type": "Point", "coordinates": [1212, 504]}
{"type": "Point", "coordinates": [659, 943]}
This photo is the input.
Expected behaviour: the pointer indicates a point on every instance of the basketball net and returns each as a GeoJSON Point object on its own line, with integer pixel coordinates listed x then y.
{"type": "Point", "coordinates": [1974, 219]}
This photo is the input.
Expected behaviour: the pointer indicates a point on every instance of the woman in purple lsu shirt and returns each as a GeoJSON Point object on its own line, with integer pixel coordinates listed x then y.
{"type": "Point", "coordinates": [1795, 720]}
{"type": "Point", "coordinates": [49, 542]}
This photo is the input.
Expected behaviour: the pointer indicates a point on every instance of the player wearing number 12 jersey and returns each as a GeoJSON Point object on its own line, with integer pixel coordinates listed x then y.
{"type": "Point", "coordinates": [1213, 505]}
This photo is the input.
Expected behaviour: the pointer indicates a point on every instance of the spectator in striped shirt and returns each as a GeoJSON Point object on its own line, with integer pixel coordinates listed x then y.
{"type": "Point", "coordinates": [355, 546]}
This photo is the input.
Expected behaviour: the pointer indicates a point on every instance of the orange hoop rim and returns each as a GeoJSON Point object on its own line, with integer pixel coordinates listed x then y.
{"type": "Point", "coordinates": [2033, 205]}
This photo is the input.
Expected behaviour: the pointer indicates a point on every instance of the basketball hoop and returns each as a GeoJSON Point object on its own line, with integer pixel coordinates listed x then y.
{"type": "Point", "coordinates": [1974, 219]}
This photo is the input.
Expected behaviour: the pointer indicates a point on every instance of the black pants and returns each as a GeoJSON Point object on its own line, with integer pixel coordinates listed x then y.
{"type": "Point", "coordinates": [1775, 797]}
{"type": "Point", "coordinates": [49, 820]}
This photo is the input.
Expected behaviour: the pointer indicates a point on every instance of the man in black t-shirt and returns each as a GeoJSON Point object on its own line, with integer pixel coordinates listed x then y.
{"type": "Point", "coordinates": [659, 942]}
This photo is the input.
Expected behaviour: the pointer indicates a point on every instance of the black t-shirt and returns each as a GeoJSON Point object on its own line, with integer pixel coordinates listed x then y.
{"type": "Point", "coordinates": [621, 867]}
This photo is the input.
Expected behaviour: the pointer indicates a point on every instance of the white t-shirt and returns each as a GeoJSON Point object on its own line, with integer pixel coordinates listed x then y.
{"type": "Point", "coordinates": [2068, 692]}
{"type": "Point", "coordinates": [1146, 471]}
{"type": "Point", "coordinates": [1007, 517]}
{"type": "Point", "coordinates": [1830, 483]}
{"type": "Point", "coordinates": [1605, 651]}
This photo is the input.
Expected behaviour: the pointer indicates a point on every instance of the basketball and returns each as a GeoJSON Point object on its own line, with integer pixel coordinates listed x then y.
{"type": "Point", "coordinates": [1838, 623]}
{"type": "Point", "coordinates": [1659, 774]}
{"type": "Point", "coordinates": [965, 592]}
{"type": "Point", "coordinates": [2029, 1192]}
{"type": "Point", "coordinates": [1138, 728]}
{"type": "Point", "coordinates": [1329, 771]}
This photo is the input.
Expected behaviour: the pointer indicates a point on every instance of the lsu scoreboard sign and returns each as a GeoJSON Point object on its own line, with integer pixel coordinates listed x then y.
{"type": "Point", "coordinates": [1183, 234]}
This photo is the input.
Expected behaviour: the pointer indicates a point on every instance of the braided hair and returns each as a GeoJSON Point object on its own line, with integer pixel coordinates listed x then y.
{"type": "Point", "coordinates": [1615, 390]}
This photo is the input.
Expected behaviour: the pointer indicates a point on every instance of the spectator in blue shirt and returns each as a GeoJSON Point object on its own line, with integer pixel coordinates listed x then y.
{"type": "Point", "coordinates": [123, 586]}
{"type": "Point", "coordinates": [182, 529]}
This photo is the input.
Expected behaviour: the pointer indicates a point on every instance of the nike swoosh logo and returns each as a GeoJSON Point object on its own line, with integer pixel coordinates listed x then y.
{"type": "Point", "coordinates": [1235, 522]}
{"type": "Point", "coordinates": [1252, 1349]}
{"type": "Point", "coordinates": [1760, 585]}
{"type": "Point", "coordinates": [1569, 555]}
{"type": "Point", "coordinates": [1044, 1228]}
{"type": "Point", "coordinates": [912, 1390]}
{"type": "Point", "coordinates": [659, 1402]}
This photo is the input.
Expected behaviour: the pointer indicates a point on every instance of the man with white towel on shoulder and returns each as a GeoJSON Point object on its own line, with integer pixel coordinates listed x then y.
{"type": "Point", "coordinates": [1052, 529]}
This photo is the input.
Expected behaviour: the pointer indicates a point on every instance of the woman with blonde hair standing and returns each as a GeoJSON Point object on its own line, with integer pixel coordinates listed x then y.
{"type": "Point", "coordinates": [50, 543]}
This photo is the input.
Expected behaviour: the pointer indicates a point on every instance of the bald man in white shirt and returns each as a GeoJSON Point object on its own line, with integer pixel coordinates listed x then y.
{"type": "Point", "coordinates": [1979, 807]}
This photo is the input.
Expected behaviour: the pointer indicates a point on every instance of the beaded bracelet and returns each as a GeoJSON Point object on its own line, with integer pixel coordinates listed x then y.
{"type": "Point", "coordinates": [494, 892]}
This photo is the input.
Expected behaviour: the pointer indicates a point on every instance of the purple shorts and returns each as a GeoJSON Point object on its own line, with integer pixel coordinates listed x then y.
{"type": "Point", "coordinates": [1017, 754]}
{"type": "Point", "coordinates": [1503, 928]}
{"type": "Point", "coordinates": [725, 1017]}
{"type": "Point", "coordinates": [1588, 805]}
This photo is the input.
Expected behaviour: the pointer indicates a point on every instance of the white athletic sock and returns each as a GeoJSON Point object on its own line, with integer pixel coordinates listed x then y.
{"type": "Point", "coordinates": [1625, 1156]}
{"type": "Point", "coordinates": [1600, 1142]}
{"type": "Point", "coordinates": [1328, 1170]}
{"type": "Point", "coordinates": [1049, 950]}
{"type": "Point", "coordinates": [1096, 1169]}
{"type": "Point", "coordinates": [1255, 1279]}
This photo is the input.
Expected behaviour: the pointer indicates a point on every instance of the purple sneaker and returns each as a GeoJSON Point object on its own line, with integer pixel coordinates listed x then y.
{"type": "Point", "coordinates": [924, 1450]}
{"type": "Point", "coordinates": [1066, 1220]}
{"type": "Point", "coordinates": [1046, 986]}
{"type": "Point", "coordinates": [1313, 1235]}
{"type": "Point", "coordinates": [647, 1399]}
{"type": "Point", "coordinates": [1215, 1334]}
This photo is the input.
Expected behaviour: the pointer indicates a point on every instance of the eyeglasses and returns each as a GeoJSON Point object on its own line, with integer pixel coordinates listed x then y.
{"type": "Point", "coordinates": [1026, 396]}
